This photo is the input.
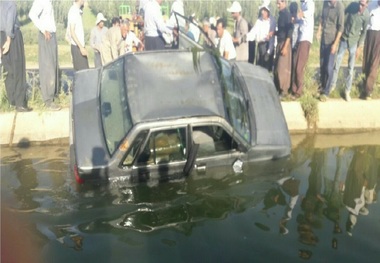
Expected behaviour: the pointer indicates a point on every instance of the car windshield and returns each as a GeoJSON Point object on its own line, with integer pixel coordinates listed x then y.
{"type": "Point", "coordinates": [114, 108]}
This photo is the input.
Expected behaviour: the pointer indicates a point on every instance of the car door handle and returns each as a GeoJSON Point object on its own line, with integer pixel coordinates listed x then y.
{"type": "Point", "coordinates": [201, 168]}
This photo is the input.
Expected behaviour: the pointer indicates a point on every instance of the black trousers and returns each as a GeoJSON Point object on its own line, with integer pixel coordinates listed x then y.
{"type": "Point", "coordinates": [264, 59]}
{"type": "Point", "coordinates": [154, 43]}
{"type": "Point", "coordinates": [80, 62]}
{"type": "Point", "coordinates": [371, 59]}
{"type": "Point", "coordinates": [48, 63]}
{"type": "Point", "coordinates": [14, 68]}
{"type": "Point", "coordinates": [251, 51]}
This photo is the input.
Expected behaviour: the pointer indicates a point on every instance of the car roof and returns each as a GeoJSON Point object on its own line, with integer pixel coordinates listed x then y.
{"type": "Point", "coordinates": [172, 84]}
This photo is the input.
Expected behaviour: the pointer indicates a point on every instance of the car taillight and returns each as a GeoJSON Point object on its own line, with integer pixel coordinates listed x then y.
{"type": "Point", "coordinates": [76, 174]}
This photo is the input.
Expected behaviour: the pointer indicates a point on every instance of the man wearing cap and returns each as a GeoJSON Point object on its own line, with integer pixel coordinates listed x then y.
{"type": "Point", "coordinates": [225, 43]}
{"type": "Point", "coordinates": [305, 21]}
{"type": "Point", "coordinates": [76, 36]}
{"type": "Point", "coordinates": [240, 30]}
{"type": "Point", "coordinates": [263, 34]}
{"type": "Point", "coordinates": [42, 16]}
{"type": "Point", "coordinates": [96, 37]}
{"type": "Point", "coordinates": [283, 60]}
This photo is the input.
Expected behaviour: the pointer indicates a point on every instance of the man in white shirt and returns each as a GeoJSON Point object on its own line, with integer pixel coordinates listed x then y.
{"type": "Point", "coordinates": [306, 31]}
{"type": "Point", "coordinates": [154, 26]}
{"type": "Point", "coordinates": [142, 4]}
{"type": "Point", "coordinates": [263, 34]}
{"type": "Point", "coordinates": [76, 36]}
{"type": "Point", "coordinates": [225, 44]}
{"type": "Point", "coordinates": [42, 16]}
{"type": "Point", "coordinates": [129, 40]}
{"type": "Point", "coordinates": [177, 7]}
{"type": "Point", "coordinates": [96, 36]}
{"type": "Point", "coordinates": [371, 57]}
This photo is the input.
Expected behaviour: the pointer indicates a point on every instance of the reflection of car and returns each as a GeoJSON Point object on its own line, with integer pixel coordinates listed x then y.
{"type": "Point", "coordinates": [160, 114]}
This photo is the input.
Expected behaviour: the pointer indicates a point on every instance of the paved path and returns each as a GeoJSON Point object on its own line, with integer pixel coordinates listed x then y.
{"type": "Point", "coordinates": [335, 115]}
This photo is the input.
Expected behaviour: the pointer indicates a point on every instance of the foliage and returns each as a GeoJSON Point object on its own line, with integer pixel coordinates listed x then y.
{"type": "Point", "coordinates": [308, 101]}
{"type": "Point", "coordinates": [4, 104]}
{"type": "Point", "coordinates": [34, 96]}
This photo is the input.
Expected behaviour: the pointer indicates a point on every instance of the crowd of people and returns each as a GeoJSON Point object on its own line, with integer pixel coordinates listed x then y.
{"type": "Point", "coordinates": [280, 45]}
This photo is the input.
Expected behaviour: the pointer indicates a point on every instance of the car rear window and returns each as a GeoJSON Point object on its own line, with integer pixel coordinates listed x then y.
{"type": "Point", "coordinates": [114, 107]}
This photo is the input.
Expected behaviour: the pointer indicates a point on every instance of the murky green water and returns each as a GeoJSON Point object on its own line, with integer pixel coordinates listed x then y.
{"type": "Point", "coordinates": [321, 206]}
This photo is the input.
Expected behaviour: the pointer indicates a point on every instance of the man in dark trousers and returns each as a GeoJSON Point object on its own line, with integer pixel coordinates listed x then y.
{"type": "Point", "coordinates": [371, 57]}
{"type": "Point", "coordinates": [283, 60]}
{"type": "Point", "coordinates": [42, 15]}
{"type": "Point", "coordinates": [329, 33]}
{"type": "Point", "coordinates": [13, 56]}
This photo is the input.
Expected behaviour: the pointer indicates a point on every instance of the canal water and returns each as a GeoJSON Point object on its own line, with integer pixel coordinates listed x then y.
{"type": "Point", "coordinates": [321, 205]}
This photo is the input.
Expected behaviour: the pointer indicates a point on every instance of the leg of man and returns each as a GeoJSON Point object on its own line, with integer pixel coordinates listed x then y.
{"type": "Point", "coordinates": [322, 66]}
{"type": "Point", "coordinates": [14, 64]}
{"type": "Point", "coordinates": [251, 51]}
{"type": "Point", "coordinates": [284, 70]}
{"type": "Point", "coordinates": [97, 59]}
{"type": "Point", "coordinates": [371, 59]}
{"type": "Point", "coordinates": [342, 48]}
{"type": "Point", "coordinates": [300, 62]}
{"type": "Point", "coordinates": [80, 62]}
{"type": "Point", "coordinates": [329, 70]}
{"type": "Point", "coordinates": [47, 58]}
{"type": "Point", "coordinates": [351, 64]}
{"type": "Point", "coordinates": [260, 55]}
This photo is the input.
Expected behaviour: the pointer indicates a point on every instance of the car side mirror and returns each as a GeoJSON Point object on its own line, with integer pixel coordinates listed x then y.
{"type": "Point", "coordinates": [106, 109]}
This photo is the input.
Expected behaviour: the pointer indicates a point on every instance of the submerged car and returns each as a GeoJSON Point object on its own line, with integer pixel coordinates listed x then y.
{"type": "Point", "coordinates": [171, 113]}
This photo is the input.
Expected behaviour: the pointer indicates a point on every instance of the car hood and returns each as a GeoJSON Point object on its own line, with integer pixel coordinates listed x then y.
{"type": "Point", "coordinates": [90, 150]}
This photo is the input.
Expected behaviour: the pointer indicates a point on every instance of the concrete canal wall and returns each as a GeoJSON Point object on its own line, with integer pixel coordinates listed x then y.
{"type": "Point", "coordinates": [335, 116]}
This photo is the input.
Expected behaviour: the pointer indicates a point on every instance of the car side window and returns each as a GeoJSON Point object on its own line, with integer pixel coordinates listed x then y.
{"type": "Point", "coordinates": [213, 140]}
{"type": "Point", "coordinates": [134, 148]}
{"type": "Point", "coordinates": [164, 146]}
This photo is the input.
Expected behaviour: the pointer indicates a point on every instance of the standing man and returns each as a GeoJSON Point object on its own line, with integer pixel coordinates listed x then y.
{"type": "Point", "coordinates": [154, 26]}
{"type": "Point", "coordinates": [355, 28]}
{"type": "Point", "coordinates": [240, 30]}
{"type": "Point", "coordinates": [371, 57]}
{"type": "Point", "coordinates": [225, 44]}
{"type": "Point", "coordinates": [283, 60]}
{"type": "Point", "coordinates": [329, 32]}
{"type": "Point", "coordinates": [110, 41]}
{"type": "Point", "coordinates": [306, 32]}
{"type": "Point", "coordinates": [96, 37]}
{"type": "Point", "coordinates": [42, 16]}
{"type": "Point", "coordinates": [76, 34]}
{"type": "Point", "coordinates": [13, 56]}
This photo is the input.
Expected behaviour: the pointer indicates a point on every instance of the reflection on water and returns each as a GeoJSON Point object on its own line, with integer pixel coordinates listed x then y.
{"type": "Point", "coordinates": [321, 205]}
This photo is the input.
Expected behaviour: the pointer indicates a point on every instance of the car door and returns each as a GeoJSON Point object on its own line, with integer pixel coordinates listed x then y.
{"type": "Point", "coordinates": [161, 155]}
{"type": "Point", "coordinates": [217, 149]}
